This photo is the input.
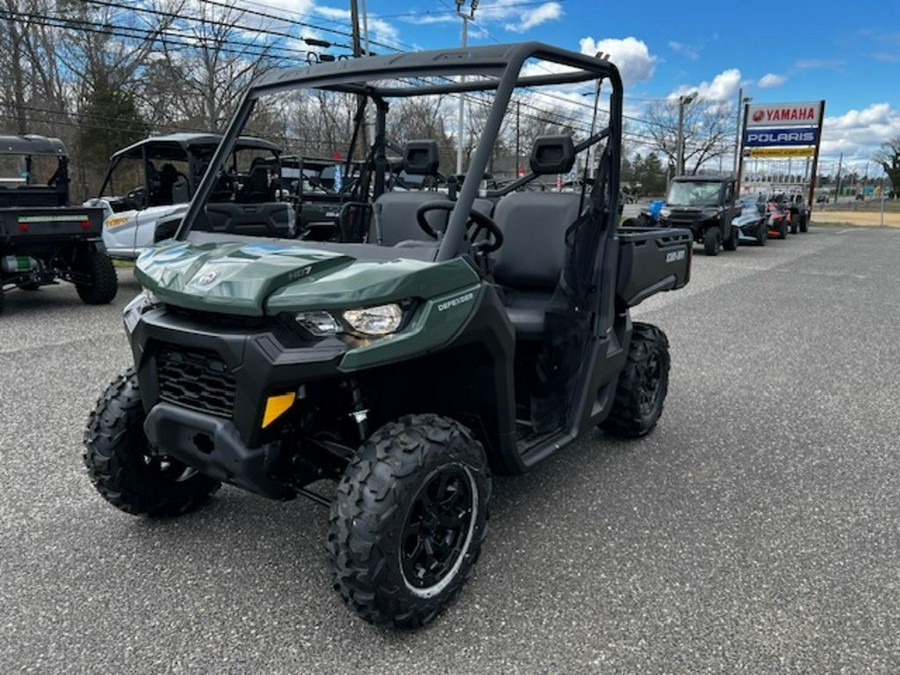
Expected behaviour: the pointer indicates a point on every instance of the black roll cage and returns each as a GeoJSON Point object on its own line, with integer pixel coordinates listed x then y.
{"type": "Point", "coordinates": [499, 66]}
{"type": "Point", "coordinates": [180, 146]}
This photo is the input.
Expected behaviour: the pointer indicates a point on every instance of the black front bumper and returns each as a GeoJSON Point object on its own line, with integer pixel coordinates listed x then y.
{"type": "Point", "coordinates": [222, 372]}
{"type": "Point", "coordinates": [213, 446]}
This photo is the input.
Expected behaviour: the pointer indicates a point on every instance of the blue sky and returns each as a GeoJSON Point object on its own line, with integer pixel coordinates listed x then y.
{"type": "Point", "coordinates": [846, 53]}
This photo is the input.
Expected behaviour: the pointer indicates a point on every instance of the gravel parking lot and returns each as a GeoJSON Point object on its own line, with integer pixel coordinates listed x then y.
{"type": "Point", "coordinates": [756, 530]}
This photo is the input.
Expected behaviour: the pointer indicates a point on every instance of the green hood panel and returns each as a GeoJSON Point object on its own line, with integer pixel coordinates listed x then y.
{"type": "Point", "coordinates": [367, 283]}
{"type": "Point", "coordinates": [233, 278]}
{"type": "Point", "coordinates": [253, 279]}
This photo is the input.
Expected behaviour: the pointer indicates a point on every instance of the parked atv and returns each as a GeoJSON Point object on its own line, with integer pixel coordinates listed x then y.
{"type": "Point", "coordinates": [779, 216]}
{"type": "Point", "coordinates": [458, 339]}
{"type": "Point", "coordinates": [706, 205]}
{"type": "Point", "coordinates": [163, 173]}
{"type": "Point", "coordinates": [42, 239]}
{"type": "Point", "coordinates": [799, 214]}
{"type": "Point", "coordinates": [752, 225]}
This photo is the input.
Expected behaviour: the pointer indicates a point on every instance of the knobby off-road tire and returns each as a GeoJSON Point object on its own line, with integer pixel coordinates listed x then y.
{"type": "Point", "coordinates": [121, 467]}
{"type": "Point", "coordinates": [782, 229]}
{"type": "Point", "coordinates": [103, 284]}
{"type": "Point", "coordinates": [731, 243]}
{"type": "Point", "coordinates": [643, 384]}
{"type": "Point", "coordinates": [408, 520]}
{"type": "Point", "coordinates": [712, 238]}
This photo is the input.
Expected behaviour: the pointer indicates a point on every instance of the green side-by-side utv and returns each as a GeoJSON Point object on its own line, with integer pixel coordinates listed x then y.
{"type": "Point", "coordinates": [453, 333]}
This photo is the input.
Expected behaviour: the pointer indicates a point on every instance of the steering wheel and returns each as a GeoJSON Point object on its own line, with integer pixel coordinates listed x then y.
{"type": "Point", "coordinates": [481, 221]}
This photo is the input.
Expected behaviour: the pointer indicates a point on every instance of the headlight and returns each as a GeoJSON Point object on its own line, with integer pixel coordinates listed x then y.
{"type": "Point", "coordinates": [665, 213]}
{"type": "Point", "coordinates": [379, 320]}
{"type": "Point", "coordinates": [319, 324]}
{"type": "Point", "coordinates": [151, 298]}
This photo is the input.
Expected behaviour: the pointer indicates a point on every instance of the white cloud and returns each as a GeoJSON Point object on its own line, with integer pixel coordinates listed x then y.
{"type": "Point", "coordinates": [828, 64]}
{"type": "Point", "coordinates": [770, 80]}
{"type": "Point", "coordinates": [686, 50]}
{"type": "Point", "coordinates": [724, 87]}
{"type": "Point", "coordinates": [859, 133]}
{"type": "Point", "coordinates": [549, 11]}
{"type": "Point", "coordinates": [630, 55]}
{"type": "Point", "coordinates": [379, 29]}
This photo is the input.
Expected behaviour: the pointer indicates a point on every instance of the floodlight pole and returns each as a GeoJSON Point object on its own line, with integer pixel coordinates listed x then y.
{"type": "Point", "coordinates": [742, 101]}
{"type": "Point", "coordinates": [679, 159]}
{"type": "Point", "coordinates": [466, 17]}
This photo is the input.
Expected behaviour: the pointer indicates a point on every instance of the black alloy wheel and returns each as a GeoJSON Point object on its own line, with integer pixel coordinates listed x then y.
{"type": "Point", "coordinates": [438, 525]}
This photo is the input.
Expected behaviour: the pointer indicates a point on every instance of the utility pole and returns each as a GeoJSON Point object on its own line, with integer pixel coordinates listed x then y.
{"type": "Point", "coordinates": [466, 17]}
{"type": "Point", "coordinates": [837, 192]}
{"type": "Point", "coordinates": [354, 22]}
{"type": "Point", "coordinates": [365, 26]}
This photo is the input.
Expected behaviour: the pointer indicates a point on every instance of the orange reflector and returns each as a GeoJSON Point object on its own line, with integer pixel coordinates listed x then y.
{"type": "Point", "coordinates": [276, 406]}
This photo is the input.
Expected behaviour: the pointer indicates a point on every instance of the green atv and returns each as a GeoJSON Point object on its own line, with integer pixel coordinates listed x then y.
{"type": "Point", "coordinates": [454, 334]}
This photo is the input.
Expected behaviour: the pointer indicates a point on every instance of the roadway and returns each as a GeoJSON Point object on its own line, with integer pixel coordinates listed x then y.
{"type": "Point", "coordinates": [756, 530]}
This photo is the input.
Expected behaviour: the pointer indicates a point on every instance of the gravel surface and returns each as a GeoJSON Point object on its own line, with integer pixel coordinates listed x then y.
{"type": "Point", "coordinates": [756, 530]}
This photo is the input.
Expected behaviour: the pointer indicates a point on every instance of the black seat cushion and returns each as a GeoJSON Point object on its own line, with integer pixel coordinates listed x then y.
{"type": "Point", "coordinates": [526, 311]}
{"type": "Point", "coordinates": [529, 263]}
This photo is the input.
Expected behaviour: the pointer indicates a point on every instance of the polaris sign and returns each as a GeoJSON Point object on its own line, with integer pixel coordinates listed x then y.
{"type": "Point", "coordinates": [763, 138]}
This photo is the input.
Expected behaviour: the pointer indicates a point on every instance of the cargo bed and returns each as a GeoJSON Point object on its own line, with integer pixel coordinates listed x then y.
{"type": "Point", "coordinates": [49, 224]}
{"type": "Point", "coordinates": [651, 260]}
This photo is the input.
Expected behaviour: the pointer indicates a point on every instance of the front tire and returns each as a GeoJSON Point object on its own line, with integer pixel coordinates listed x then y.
{"type": "Point", "coordinates": [804, 223]}
{"type": "Point", "coordinates": [782, 229]}
{"type": "Point", "coordinates": [712, 239]}
{"type": "Point", "coordinates": [122, 466]}
{"type": "Point", "coordinates": [408, 520]}
{"type": "Point", "coordinates": [643, 384]}
{"type": "Point", "coordinates": [102, 284]}
{"type": "Point", "coordinates": [731, 243]}
{"type": "Point", "coordinates": [762, 234]}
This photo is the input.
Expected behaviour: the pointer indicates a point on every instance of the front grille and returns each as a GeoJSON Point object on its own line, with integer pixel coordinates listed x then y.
{"type": "Point", "coordinates": [195, 379]}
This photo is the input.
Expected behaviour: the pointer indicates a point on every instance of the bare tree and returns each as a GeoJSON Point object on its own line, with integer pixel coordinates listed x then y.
{"type": "Point", "coordinates": [198, 75]}
{"type": "Point", "coordinates": [889, 158]}
{"type": "Point", "coordinates": [105, 51]}
{"type": "Point", "coordinates": [708, 131]}
{"type": "Point", "coordinates": [34, 98]}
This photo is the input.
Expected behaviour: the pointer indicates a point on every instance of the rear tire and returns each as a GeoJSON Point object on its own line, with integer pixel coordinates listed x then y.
{"type": "Point", "coordinates": [103, 284]}
{"type": "Point", "coordinates": [408, 520]}
{"type": "Point", "coordinates": [122, 467]}
{"type": "Point", "coordinates": [643, 384]}
{"type": "Point", "coordinates": [712, 239]}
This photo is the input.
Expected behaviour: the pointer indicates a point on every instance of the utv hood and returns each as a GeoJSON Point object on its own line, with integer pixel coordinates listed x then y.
{"type": "Point", "coordinates": [254, 279]}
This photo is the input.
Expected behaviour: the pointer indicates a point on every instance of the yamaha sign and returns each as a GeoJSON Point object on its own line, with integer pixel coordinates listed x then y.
{"type": "Point", "coordinates": [762, 138]}
{"type": "Point", "coordinates": [784, 114]}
